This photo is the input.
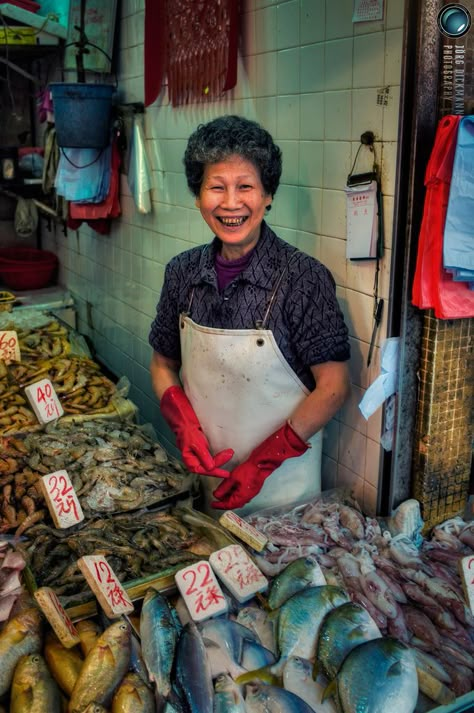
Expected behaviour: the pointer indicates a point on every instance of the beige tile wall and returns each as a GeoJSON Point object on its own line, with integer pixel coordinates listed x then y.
{"type": "Point", "coordinates": [312, 78]}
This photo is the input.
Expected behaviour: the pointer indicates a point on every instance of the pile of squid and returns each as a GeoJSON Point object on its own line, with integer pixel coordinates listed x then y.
{"type": "Point", "coordinates": [136, 545]}
{"type": "Point", "coordinates": [410, 585]}
{"type": "Point", "coordinates": [11, 566]}
{"type": "Point", "coordinates": [113, 465]}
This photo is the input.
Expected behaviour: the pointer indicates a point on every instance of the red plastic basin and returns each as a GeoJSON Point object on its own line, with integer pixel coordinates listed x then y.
{"type": "Point", "coordinates": [27, 268]}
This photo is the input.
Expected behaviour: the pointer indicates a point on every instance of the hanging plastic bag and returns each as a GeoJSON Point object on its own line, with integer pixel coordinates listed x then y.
{"type": "Point", "coordinates": [139, 173]}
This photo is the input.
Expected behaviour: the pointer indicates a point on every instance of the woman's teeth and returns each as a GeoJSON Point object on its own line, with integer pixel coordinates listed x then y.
{"type": "Point", "coordinates": [233, 221]}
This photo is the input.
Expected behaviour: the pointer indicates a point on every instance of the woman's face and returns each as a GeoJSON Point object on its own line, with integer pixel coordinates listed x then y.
{"type": "Point", "coordinates": [232, 201]}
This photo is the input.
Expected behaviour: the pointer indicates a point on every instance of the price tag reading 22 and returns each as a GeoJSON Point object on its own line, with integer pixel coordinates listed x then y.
{"type": "Point", "coordinates": [201, 591]}
{"type": "Point", "coordinates": [9, 348]}
{"type": "Point", "coordinates": [101, 578]}
{"type": "Point", "coordinates": [61, 499]}
{"type": "Point", "coordinates": [44, 401]}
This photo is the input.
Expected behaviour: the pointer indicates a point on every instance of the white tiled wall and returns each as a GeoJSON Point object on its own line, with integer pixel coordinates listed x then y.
{"type": "Point", "coordinates": [311, 78]}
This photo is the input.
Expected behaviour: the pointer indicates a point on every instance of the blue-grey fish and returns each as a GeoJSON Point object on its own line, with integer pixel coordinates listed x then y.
{"type": "Point", "coordinates": [33, 688]}
{"type": "Point", "coordinates": [299, 574]}
{"type": "Point", "coordinates": [227, 696]}
{"type": "Point", "coordinates": [255, 655]}
{"type": "Point", "coordinates": [159, 636]}
{"type": "Point", "coordinates": [261, 624]}
{"type": "Point", "coordinates": [376, 677]}
{"type": "Point", "coordinates": [193, 671]}
{"type": "Point", "coordinates": [342, 629]}
{"type": "Point", "coordinates": [265, 698]}
{"type": "Point", "coordinates": [298, 678]}
{"type": "Point", "coordinates": [300, 619]}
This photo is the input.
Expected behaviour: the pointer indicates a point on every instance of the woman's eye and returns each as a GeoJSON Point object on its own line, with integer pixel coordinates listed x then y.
{"type": "Point", "coordinates": [245, 187]}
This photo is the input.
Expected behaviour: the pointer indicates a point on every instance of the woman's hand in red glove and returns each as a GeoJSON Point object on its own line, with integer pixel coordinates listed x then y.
{"type": "Point", "coordinates": [247, 479]}
{"type": "Point", "coordinates": [178, 412]}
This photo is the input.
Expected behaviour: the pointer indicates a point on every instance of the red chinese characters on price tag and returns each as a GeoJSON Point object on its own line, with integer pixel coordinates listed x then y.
{"type": "Point", "coordinates": [9, 347]}
{"type": "Point", "coordinates": [61, 499]}
{"type": "Point", "coordinates": [245, 532]}
{"type": "Point", "coordinates": [238, 572]}
{"type": "Point", "coordinates": [44, 401]}
{"type": "Point", "coordinates": [466, 567]}
{"type": "Point", "coordinates": [57, 617]}
{"type": "Point", "coordinates": [101, 578]}
{"type": "Point", "coordinates": [201, 591]}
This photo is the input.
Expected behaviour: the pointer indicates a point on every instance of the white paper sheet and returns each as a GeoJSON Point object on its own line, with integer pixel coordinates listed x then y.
{"type": "Point", "coordinates": [387, 383]}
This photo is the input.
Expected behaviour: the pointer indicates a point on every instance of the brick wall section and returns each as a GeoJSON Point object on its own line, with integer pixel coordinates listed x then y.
{"type": "Point", "coordinates": [443, 439]}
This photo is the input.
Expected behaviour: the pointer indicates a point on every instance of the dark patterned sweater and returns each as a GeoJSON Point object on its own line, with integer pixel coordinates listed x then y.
{"type": "Point", "coordinates": [304, 315]}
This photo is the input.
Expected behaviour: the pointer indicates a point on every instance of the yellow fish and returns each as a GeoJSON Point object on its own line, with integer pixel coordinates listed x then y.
{"type": "Point", "coordinates": [33, 688]}
{"type": "Point", "coordinates": [104, 667]}
{"type": "Point", "coordinates": [65, 664]}
{"type": "Point", "coordinates": [133, 696]}
{"type": "Point", "coordinates": [22, 635]}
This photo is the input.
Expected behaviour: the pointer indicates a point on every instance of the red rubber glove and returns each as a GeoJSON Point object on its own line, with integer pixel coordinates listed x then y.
{"type": "Point", "coordinates": [190, 439]}
{"type": "Point", "coordinates": [247, 479]}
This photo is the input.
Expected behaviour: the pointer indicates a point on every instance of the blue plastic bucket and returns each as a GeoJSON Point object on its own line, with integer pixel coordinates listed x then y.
{"type": "Point", "coordinates": [82, 114]}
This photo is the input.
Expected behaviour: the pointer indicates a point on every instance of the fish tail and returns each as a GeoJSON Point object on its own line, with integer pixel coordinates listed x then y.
{"type": "Point", "coordinates": [263, 674]}
{"type": "Point", "coordinates": [329, 691]}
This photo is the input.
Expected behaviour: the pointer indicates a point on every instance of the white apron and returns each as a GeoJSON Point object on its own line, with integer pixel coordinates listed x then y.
{"type": "Point", "coordinates": [242, 390]}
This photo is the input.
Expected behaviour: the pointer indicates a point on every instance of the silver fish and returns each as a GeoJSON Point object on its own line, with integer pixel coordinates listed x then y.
{"type": "Point", "coordinates": [228, 634]}
{"type": "Point", "coordinates": [193, 671]}
{"type": "Point", "coordinates": [378, 676]}
{"type": "Point", "coordinates": [299, 574]}
{"type": "Point", "coordinates": [227, 696]}
{"type": "Point", "coordinates": [256, 656]}
{"type": "Point", "coordinates": [159, 635]}
{"type": "Point", "coordinates": [261, 624]}
{"type": "Point", "coordinates": [341, 630]}
{"type": "Point", "coordinates": [265, 698]}
{"type": "Point", "coordinates": [298, 678]}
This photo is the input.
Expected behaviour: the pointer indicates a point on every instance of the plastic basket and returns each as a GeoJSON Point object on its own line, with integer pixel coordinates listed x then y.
{"type": "Point", "coordinates": [27, 268]}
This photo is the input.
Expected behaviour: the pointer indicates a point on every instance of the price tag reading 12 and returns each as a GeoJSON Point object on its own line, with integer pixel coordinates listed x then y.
{"type": "Point", "coordinates": [101, 578]}
{"type": "Point", "coordinates": [9, 348]}
{"type": "Point", "coordinates": [61, 499]}
{"type": "Point", "coordinates": [44, 401]}
{"type": "Point", "coordinates": [201, 591]}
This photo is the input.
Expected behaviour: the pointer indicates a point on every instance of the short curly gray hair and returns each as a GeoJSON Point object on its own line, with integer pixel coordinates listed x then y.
{"type": "Point", "coordinates": [227, 136]}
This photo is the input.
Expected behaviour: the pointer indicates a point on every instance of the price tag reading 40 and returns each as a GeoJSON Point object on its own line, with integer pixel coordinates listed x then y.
{"type": "Point", "coordinates": [61, 499]}
{"type": "Point", "coordinates": [101, 578]}
{"type": "Point", "coordinates": [44, 401]}
{"type": "Point", "coordinates": [201, 591]}
{"type": "Point", "coordinates": [9, 348]}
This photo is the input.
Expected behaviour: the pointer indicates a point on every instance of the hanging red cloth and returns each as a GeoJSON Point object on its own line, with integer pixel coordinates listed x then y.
{"type": "Point", "coordinates": [194, 43]}
{"type": "Point", "coordinates": [433, 287]}
{"type": "Point", "coordinates": [155, 48]}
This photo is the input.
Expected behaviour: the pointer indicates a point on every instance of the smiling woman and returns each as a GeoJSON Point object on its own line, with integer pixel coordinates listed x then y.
{"type": "Point", "coordinates": [250, 346]}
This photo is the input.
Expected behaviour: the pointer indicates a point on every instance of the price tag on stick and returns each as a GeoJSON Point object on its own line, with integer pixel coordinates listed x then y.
{"type": "Point", "coordinates": [9, 347]}
{"type": "Point", "coordinates": [245, 532]}
{"type": "Point", "coordinates": [61, 499]}
{"type": "Point", "coordinates": [101, 578]}
{"type": "Point", "coordinates": [44, 401]}
{"type": "Point", "coordinates": [201, 591]}
{"type": "Point", "coordinates": [238, 572]}
{"type": "Point", "coordinates": [57, 617]}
